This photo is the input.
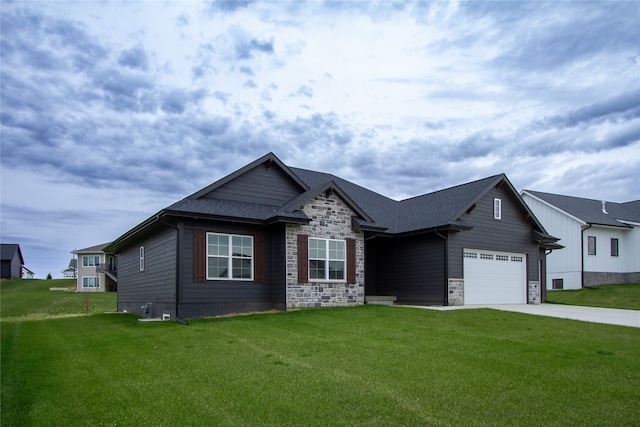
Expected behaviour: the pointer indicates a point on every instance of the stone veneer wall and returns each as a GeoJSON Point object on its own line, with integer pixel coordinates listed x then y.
{"type": "Point", "coordinates": [592, 278]}
{"type": "Point", "coordinates": [534, 293]}
{"type": "Point", "coordinates": [331, 219]}
{"type": "Point", "coordinates": [456, 291]}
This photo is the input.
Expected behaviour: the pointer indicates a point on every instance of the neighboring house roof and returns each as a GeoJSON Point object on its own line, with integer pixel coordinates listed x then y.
{"type": "Point", "coordinates": [91, 249]}
{"type": "Point", "coordinates": [73, 263]}
{"type": "Point", "coordinates": [375, 212]}
{"type": "Point", "coordinates": [26, 270]}
{"type": "Point", "coordinates": [8, 251]}
{"type": "Point", "coordinates": [592, 211]}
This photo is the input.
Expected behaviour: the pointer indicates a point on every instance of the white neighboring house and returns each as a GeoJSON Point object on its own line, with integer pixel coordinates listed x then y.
{"type": "Point", "coordinates": [71, 272]}
{"type": "Point", "coordinates": [601, 239]}
{"type": "Point", "coordinates": [26, 273]}
{"type": "Point", "coordinates": [97, 270]}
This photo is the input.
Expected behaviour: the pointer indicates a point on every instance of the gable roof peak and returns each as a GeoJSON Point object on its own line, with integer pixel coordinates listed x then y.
{"type": "Point", "coordinates": [269, 159]}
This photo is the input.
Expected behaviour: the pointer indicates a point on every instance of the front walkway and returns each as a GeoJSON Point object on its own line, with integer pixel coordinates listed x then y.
{"type": "Point", "coordinates": [609, 316]}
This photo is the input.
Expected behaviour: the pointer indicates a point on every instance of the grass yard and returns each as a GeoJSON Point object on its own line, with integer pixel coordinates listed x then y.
{"type": "Point", "coordinates": [625, 296]}
{"type": "Point", "coordinates": [364, 366]}
{"type": "Point", "coordinates": [31, 299]}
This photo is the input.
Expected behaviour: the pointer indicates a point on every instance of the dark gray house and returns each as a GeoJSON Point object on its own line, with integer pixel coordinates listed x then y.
{"type": "Point", "coordinates": [270, 236]}
{"type": "Point", "coordinates": [12, 261]}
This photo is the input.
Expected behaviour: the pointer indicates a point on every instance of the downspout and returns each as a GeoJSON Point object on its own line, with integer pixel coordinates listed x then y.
{"type": "Point", "coordinates": [178, 279]}
{"type": "Point", "coordinates": [445, 299]}
{"type": "Point", "coordinates": [582, 256]}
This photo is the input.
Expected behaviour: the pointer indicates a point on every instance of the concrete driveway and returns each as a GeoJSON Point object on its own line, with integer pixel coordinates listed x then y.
{"type": "Point", "coordinates": [609, 316]}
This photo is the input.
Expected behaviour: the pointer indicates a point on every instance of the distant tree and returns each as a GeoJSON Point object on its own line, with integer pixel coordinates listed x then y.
{"type": "Point", "coordinates": [49, 276]}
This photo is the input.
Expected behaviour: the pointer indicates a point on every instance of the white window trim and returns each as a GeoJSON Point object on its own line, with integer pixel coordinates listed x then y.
{"type": "Point", "coordinates": [96, 282]}
{"type": "Point", "coordinates": [327, 260]}
{"type": "Point", "coordinates": [230, 258]}
{"type": "Point", "coordinates": [141, 258]}
{"type": "Point", "coordinates": [497, 208]}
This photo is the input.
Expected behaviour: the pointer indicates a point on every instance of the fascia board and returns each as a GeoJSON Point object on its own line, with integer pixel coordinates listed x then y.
{"type": "Point", "coordinates": [631, 223]}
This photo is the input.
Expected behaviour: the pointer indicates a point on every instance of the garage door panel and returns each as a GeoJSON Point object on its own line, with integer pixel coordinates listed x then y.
{"type": "Point", "coordinates": [494, 277]}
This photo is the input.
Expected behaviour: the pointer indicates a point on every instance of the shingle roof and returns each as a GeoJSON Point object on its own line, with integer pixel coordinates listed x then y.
{"type": "Point", "coordinates": [92, 249]}
{"type": "Point", "coordinates": [374, 211]}
{"type": "Point", "coordinates": [590, 210]}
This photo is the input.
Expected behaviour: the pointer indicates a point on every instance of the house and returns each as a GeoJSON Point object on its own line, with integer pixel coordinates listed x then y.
{"type": "Point", "coordinates": [71, 272]}
{"type": "Point", "coordinates": [97, 269]}
{"type": "Point", "coordinates": [26, 273]}
{"type": "Point", "coordinates": [270, 236]}
{"type": "Point", "coordinates": [601, 239]}
{"type": "Point", "coordinates": [12, 261]}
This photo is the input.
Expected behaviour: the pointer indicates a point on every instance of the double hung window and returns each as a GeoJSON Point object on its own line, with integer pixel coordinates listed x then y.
{"type": "Point", "coordinates": [327, 259]}
{"type": "Point", "coordinates": [497, 208]}
{"type": "Point", "coordinates": [141, 258]}
{"type": "Point", "coordinates": [229, 257]}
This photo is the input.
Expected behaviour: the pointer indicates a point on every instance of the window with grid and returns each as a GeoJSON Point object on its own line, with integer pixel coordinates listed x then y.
{"type": "Point", "coordinates": [229, 257]}
{"type": "Point", "coordinates": [327, 259]}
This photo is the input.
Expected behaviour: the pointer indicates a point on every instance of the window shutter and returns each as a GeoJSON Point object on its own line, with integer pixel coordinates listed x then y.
{"type": "Point", "coordinates": [303, 258]}
{"type": "Point", "coordinates": [351, 261]}
{"type": "Point", "coordinates": [199, 255]}
{"type": "Point", "coordinates": [258, 258]}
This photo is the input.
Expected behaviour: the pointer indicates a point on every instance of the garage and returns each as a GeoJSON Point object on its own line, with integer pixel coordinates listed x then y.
{"type": "Point", "coordinates": [494, 277]}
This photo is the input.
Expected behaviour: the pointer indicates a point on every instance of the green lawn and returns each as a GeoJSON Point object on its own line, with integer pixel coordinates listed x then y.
{"type": "Point", "coordinates": [365, 366]}
{"type": "Point", "coordinates": [24, 299]}
{"type": "Point", "coordinates": [626, 296]}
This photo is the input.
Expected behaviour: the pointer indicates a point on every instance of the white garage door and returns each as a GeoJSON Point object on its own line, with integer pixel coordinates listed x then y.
{"type": "Point", "coordinates": [494, 277]}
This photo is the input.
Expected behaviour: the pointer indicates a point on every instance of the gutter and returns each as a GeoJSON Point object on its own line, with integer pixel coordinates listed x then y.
{"type": "Point", "coordinates": [582, 255]}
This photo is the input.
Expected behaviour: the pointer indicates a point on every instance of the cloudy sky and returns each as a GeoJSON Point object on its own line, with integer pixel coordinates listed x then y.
{"type": "Point", "coordinates": [110, 111]}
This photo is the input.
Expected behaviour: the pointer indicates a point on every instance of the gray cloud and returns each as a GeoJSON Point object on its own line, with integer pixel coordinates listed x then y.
{"type": "Point", "coordinates": [246, 49]}
{"type": "Point", "coordinates": [136, 57]}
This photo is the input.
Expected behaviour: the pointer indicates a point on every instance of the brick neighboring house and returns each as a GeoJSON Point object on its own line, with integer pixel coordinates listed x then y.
{"type": "Point", "coordinates": [270, 236]}
{"type": "Point", "coordinates": [97, 269]}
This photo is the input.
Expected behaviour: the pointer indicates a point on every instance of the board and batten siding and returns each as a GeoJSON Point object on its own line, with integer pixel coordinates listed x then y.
{"type": "Point", "coordinates": [511, 233]}
{"type": "Point", "coordinates": [156, 284]}
{"type": "Point", "coordinates": [602, 261]}
{"type": "Point", "coordinates": [267, 186]}
{"type": "Point", "coordinates": [565, 264]}
{"type": "Point", "coordinates": [218, 297]}
{"type": "Point", "coordinates": [412, 269]}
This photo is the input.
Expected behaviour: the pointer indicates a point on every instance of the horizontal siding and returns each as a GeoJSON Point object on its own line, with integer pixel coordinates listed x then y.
{"type": "Point", "coordinates": [412, 269]}
{"type": "Point", "coordinates": [215, 297]}
{"type": "Point", "coordinates": [268, 186]}
{"type": "Point", "coordinates": [509, 234]}
{"type": "Point", "coordinates": [157, 283]}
